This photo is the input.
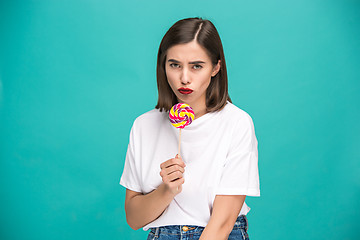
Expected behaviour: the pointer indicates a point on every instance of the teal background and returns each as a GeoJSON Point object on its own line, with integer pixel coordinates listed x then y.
{"type": "Point", "coordinates": [75, 74]}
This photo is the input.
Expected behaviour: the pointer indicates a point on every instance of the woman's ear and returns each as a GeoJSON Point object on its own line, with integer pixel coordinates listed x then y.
{"type": "Point", "coordinates": [216, 69]}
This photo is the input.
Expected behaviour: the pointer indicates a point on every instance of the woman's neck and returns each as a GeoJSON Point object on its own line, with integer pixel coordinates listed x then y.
{"type": "Point", "coordinates": [199, 112]}
{"type": "Point", "coordinates": [198, 107]}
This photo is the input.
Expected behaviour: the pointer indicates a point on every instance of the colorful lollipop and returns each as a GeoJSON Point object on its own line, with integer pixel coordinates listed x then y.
{"type": "Point", "coordinates": [180, 116]}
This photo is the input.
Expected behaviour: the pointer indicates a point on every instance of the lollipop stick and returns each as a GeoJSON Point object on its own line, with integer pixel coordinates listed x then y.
{"type": "Point", "coordinates": [177, 189]}
{"type": "Point", "coordinates": [179, 142]}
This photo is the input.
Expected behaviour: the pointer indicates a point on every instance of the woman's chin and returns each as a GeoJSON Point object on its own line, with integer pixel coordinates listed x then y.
{"type": "Point", "coordinates": [180, 100]}
{"type": "Point", "coordinates": [184, 101]}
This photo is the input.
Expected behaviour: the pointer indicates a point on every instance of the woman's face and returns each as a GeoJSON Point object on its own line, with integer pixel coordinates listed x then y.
{"type": "Point", "coordinates": [189, 70]}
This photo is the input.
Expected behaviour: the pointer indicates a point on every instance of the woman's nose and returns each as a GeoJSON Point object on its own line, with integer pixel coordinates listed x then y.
{"type": "Point", "coordinates": [185, 76]}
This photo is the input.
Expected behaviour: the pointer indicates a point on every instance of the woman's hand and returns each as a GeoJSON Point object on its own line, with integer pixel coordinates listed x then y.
{"type": "Point", "coordinates": [172, 174]}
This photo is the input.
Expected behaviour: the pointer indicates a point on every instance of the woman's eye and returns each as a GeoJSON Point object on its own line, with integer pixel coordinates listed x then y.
{"type": "Point", "coordinates": [174, 65]}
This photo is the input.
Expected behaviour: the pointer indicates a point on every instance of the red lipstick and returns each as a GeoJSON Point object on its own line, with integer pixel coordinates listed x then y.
{"type": "Point", "coordinates": [185, 90]}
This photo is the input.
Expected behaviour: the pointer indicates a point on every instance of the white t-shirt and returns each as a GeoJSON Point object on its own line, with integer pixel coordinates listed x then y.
{"type": "Point", "coordinates": [220, 153]}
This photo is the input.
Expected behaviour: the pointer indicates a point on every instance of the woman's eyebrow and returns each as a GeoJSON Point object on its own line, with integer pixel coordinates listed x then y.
{"type": "Point", "coordinates": [194, 62]}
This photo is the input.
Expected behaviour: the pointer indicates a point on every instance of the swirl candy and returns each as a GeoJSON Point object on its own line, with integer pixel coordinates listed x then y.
{"type": "Point", "coordinates": [181, 115]}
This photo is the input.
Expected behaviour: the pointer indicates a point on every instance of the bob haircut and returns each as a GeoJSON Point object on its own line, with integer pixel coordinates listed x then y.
{"type": "Point", "coordinates": [206, 35]}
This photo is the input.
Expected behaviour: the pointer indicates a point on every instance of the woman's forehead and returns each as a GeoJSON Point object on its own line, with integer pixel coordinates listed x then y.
{"type": "Point", "coordinates": [187, 52]}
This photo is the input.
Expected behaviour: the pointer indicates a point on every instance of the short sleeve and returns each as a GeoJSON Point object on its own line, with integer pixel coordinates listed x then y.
{"type": "Point", "coordinates": [240, 175]}
{"type": "Point", "coordinates": [130, 177]}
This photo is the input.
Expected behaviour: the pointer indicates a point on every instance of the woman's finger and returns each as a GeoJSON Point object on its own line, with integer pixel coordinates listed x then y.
{"type": "Point", "coordinates": [171, 162]}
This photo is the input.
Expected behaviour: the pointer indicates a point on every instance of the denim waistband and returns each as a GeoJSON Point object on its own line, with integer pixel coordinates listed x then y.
{"type": "Point", "coordinates": [241, 222]}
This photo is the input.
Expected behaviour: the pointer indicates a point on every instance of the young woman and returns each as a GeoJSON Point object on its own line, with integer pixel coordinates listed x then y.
{"type": "Point", "coordinates": [200, 193]}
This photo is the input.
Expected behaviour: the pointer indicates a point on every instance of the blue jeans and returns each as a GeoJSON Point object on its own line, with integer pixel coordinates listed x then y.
{"type": "Point", "coordinates": [187, 232]}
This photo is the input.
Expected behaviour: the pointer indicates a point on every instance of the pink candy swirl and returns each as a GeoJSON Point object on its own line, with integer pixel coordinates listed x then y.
{"type": "Point", "coordinates": [181, 115]}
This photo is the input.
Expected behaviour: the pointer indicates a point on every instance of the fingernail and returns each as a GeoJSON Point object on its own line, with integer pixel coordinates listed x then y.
{"type": "Point", "coordinates": [177, 155]}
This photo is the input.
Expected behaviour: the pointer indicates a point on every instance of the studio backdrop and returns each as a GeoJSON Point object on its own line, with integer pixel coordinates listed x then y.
{"type": "Point", "coordinates": [74, 75]}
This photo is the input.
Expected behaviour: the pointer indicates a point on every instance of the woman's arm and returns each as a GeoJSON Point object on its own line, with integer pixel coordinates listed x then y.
{"type": "Point", "coordinates": [226, 209]}
{"type": "Point", "coordinates": [142, 209]}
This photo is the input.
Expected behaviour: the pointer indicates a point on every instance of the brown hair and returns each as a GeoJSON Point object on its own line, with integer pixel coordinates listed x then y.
{"type": "Point", "coordinates": [206, 35]}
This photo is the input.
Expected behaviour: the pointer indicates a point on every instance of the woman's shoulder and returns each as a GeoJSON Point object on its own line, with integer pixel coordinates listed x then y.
{"type": "Point", "coordinates": [239, 121]}
{"type": "Point", "coordinates": [236, 114]}
{"type": "Point", "coordinates": [149, 118]}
